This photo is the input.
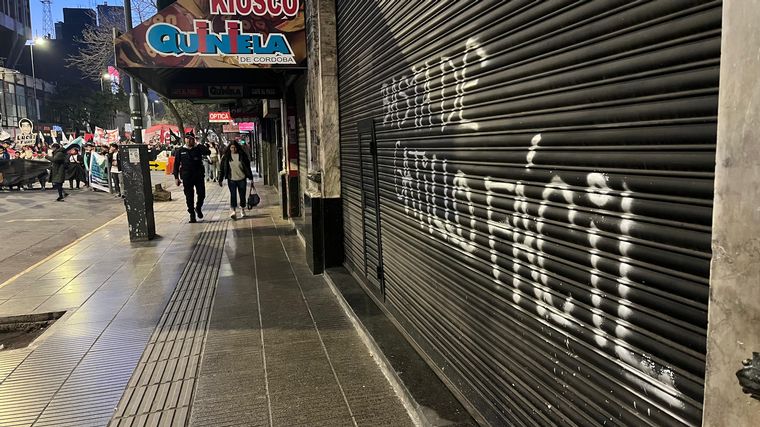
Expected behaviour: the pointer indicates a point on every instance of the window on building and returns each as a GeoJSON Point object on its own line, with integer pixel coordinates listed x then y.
{"type": "Point", "coordinates": [21, 103]}
{"type": "Point", "coordinates": [10, 103]}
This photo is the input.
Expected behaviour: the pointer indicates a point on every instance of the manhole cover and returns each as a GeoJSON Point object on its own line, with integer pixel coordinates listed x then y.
{"type": "Point", "coordinates": [20, 331]}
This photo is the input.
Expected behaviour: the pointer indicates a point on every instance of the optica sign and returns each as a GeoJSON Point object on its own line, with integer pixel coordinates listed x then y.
{"type": "Point", "coordinates": [219, 117]}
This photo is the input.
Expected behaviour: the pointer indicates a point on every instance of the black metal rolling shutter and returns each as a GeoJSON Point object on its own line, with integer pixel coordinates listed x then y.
{"type": "Point", "coordinates": [303, 155]}
{"type": "Point", "coordinates": [545, 176]}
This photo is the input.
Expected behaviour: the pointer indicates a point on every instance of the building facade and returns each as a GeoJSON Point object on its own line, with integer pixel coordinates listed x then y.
{"type": "Point", "coordinates": [17, 99]}
{"type": "Point", "coordinates": [112, 16]}
{"type": "Point", "coordinates": [75, 20]}
{"type": "Point", "coordinates": [15, 29]}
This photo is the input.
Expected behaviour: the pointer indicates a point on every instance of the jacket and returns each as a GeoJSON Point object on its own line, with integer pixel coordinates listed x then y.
{"type": "Point", "coordinates": [58, 166]}
{"type": "Point", "coordinates": [75, 169]}
{"type": "Point", "coordinates": [110, 157]}
{"type": "Point", "coordinates": [188, 162]}
{"type": "Point", "coordinates": [224, 166]}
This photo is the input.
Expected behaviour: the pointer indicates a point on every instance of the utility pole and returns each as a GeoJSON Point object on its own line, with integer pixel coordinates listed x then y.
{"type": "Point", "coordinates": [135, 94]}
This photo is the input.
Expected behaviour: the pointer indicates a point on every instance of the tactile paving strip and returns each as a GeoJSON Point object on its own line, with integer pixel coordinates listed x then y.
{"type": "Point", "coordinates": [161, 387]}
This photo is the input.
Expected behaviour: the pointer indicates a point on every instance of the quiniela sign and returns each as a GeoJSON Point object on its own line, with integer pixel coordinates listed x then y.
{"type": "Point", "coordinates": [250, 47]}
{"type": "Point", "coordinates": [225, 91]}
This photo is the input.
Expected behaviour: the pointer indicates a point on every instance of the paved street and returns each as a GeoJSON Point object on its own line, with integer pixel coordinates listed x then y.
{"type": "Point", "coordinates": [33, 225]}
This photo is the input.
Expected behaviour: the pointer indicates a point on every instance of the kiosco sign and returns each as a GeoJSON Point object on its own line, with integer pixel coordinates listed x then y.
{"type": "Point", "coordinates": [218, 34]}
{"type": "Point", "coordinates": [219, 117]}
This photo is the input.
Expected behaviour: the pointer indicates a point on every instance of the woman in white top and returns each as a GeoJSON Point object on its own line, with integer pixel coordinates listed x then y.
{"type": "Point", "coordinates": [235, 167]}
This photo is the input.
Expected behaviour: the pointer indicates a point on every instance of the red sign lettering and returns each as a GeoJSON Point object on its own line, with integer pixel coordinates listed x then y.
{"type": "Point", "coordinates": [272, 8]}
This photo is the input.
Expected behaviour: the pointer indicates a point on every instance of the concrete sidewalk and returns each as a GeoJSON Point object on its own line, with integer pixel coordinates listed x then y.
{"type": "Point", "coordinates": [216, 323]}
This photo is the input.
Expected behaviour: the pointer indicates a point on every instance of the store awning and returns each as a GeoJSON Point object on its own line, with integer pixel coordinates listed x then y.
{"type": "Point", "coordinates": [217, 49]}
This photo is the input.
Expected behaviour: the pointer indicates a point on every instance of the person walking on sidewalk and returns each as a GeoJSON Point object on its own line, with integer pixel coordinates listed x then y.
{"type": "Point", "coordinates": [58, 170]}
{"type": "Point", "coordinates": [235, 167]}
{"type": "Point", "coordinates": [189, 172]}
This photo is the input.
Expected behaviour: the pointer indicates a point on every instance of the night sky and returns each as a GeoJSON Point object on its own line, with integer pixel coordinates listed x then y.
{"type": "Point", "coordinates": [57, 9]}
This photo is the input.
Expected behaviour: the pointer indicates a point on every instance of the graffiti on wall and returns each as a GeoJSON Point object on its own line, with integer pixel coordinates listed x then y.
{"type": "Point", "coordinates": [433, 95]}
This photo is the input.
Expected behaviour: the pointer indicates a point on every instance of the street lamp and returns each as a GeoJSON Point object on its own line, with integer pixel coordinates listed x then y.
{"type": "Point", "coordinates": [36, 41]}
{"type": "Point", "coordinates": [105, 76]}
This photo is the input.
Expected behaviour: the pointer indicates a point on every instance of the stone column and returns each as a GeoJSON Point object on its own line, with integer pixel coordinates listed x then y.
{"type": "Point", "coordinates": [322, 203]}
{"type": "Point", "coordinates": [322, 89]}
{"type": "Point", "coordinates": [733, 331]}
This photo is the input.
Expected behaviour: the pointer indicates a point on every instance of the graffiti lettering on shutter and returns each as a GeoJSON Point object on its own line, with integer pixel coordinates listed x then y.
{"type": "Point", "coordinates": [432, 95]}
{"type": "Point", "coordinates": [416, 175]}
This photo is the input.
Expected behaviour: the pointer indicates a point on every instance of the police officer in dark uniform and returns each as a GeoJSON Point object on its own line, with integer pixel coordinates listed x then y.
{"type": "Point", "coordinates": [189, 172]}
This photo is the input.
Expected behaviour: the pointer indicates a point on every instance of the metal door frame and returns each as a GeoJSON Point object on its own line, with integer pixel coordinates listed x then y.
{"type": "Point", "coordinates": [364, 128]}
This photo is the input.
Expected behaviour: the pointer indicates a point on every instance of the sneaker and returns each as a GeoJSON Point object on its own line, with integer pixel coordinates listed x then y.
{"type": "Point", "coordinates": [233, 214]}
{"type": "Point", "coordinates": [242, 212]}
{"type": "Point", "coordinates": [199, 212]}
{"type": "Point", "coordinates": [60, 199]}
{"type": "Point", "coordinates": [192, 220]}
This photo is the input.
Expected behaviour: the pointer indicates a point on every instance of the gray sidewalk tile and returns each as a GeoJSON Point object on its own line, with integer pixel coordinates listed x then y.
{"type": "Point", "coordinates": [17, 306]}
{"type": "Point", "coordinates": [170, 332]}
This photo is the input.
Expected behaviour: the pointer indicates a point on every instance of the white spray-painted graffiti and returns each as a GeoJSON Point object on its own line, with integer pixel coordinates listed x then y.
{"type": "Point", "coordinates": [428, 100]}
{"type": "Point", "coordinates": [419, 175]}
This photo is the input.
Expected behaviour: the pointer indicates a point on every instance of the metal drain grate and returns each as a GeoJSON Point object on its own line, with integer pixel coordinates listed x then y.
{"type": "Point", "coordinates": [160, 389]}
{"type": "Point", "coordinates": [20, 331]}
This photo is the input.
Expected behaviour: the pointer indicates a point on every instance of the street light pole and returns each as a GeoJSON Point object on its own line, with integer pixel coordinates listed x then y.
{"type": "Point", "coordinates": [34, 81]}
{"type": "Point", "coordinates": [135, 94]}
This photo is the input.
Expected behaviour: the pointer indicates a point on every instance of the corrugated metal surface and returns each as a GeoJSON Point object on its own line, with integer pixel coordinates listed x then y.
{"type": "Point", "coordinates": [303, 159]}
{"type": "Point", "coordinates": [545, 175]}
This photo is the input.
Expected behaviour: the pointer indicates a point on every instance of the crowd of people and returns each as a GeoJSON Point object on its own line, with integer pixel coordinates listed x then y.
{"type": "Point", "coordinates": [68, 163]}
{"type": "Point", "coordinates": [194, 165]}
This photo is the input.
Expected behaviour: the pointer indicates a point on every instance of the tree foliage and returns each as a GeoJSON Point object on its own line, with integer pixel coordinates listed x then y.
{"type": "Point", "coordinates": [76, 107]}
{"type": "Point", "coordinates": [96, 53]}
{"type": "Point", "coordinates": [194, 114]}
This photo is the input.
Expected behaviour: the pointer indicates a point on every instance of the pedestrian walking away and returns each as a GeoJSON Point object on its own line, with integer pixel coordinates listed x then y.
{"type": "Point", "coordinates": [235, 167]}
{"type": "Point", "coordinates": [189, 172]}
{"type": "Point", "coordinates": [58, 170]}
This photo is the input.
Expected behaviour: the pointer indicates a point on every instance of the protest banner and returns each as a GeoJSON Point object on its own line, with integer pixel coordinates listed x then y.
{"type": "Point", "coordinates": [21, 171]}
{"type": "Point", "coordinates": [99, 172]}
{"type": "Point", "coordinates": [26, 136]}
{"type": "Point", "coordinates": [161, 134]}
{"type": "Point", "coordinates": [105, 136]}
